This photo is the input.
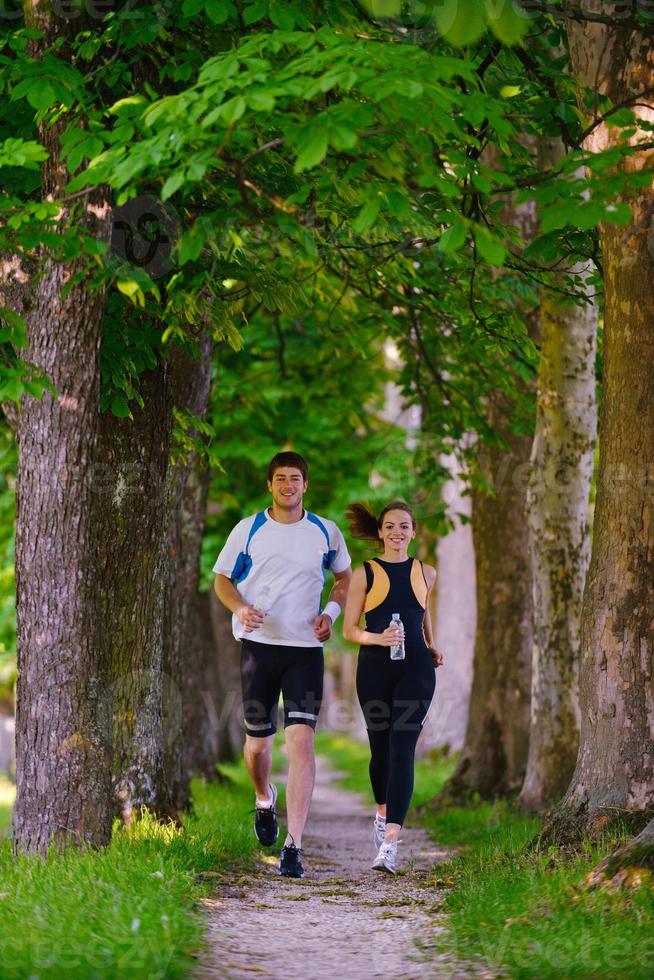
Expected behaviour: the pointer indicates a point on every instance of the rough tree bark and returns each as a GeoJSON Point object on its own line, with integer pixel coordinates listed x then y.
{"type": "Point", "coordinates": [227, 701]}
{"type": "Point", "coordinates": [625, 866]}
{"type": "Point", "coordinates": [133, 456]}
{"type": "Point", "coordinates": [63, 764]}
{"type": "Point", "coordinates": [614, 775]}
{"type": "Point", "coordinates": [201, 717]}
{"type": "Point", "coordinates": [557, 505]}
{"type": "Point", "coordinates": [494, 754]}
{"type": "Point", "coordinates": [213, 706]}
{"type": "Point", "coordinates": [188, 486]}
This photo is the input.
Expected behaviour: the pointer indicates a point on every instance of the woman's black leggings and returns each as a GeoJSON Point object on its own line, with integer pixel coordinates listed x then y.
{"type": "Point", "coordinates": [395, 698]}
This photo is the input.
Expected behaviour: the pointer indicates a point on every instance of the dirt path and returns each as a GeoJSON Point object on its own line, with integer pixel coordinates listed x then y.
{"type": "Point", "coordinates": [341, 920]}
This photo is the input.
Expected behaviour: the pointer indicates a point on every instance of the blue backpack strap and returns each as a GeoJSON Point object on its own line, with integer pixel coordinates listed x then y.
{"type": "Point", "coordinates": [243, 564]}
{"type": "Point", "coordinates": [329, 557]}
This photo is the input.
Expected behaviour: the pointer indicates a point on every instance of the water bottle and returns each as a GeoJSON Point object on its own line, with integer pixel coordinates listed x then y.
{"type": "Point", "coordinates": [397, 650]}
{"type": "Point", "coordinates": [263, 599]}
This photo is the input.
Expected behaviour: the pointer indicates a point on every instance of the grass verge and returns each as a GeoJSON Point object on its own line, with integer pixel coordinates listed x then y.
{"type": "Point", "coordinates": [521, 911]}
{"type": "Point", "coordinates": [129, 910]}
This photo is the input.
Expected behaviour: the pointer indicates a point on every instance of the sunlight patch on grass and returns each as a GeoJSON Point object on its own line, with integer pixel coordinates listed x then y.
{"type": "Point", "coordinates": [128, 910]}
{"type": "Point", "coordinates": [7, 797]}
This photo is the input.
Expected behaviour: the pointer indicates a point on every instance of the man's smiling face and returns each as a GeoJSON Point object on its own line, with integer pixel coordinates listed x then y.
{"type": "Point", "coordinates": [287, 487]}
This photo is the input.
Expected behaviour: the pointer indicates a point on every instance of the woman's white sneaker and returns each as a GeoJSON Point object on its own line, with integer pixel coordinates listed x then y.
{"type": "Point", "coordinates": [386, 859]}
{"type": "Point", "coordinates": [378, 830]}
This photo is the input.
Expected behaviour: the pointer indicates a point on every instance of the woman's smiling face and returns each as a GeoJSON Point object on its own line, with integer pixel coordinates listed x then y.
{"type": "Point", "coordinates": [397, 530]}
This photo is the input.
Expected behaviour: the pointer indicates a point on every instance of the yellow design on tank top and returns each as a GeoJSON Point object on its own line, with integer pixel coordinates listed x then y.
{"type": "Point", "coordinates": [381, 585]}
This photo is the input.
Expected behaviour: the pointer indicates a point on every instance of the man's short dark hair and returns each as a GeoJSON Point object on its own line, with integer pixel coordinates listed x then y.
{"type": "Point", "coordinates": [288, 459]}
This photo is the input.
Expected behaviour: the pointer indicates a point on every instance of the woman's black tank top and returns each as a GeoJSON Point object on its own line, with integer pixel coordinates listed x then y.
{"type": "Point", "coordinates": [396, 587]}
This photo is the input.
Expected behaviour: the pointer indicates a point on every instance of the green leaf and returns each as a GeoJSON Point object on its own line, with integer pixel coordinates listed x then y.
{"type": "Point", "coordinates": [314, 152]}
{"type": "Point", "coordinates": [173, 183]}
{"type": "Point", "coordinates": [261, 100]}
{"type": "Point", "coordinates": [41, 96]}
{"type": "Point", "coordinates": [489, 247]}
{"type": "Point", "coordinates": [192, 7]}
{"type": "Point", "coordinates": [128, 287]}
{"type": "Point", "coordinates": [509, 23]}
{"type": "Point", "coordinates": [128, 101]}
{"type": "Point", "coordinates": [233, 110]}
{"type": "Point", "coordinates": [452, 239]}
{"type": "Point", "coordinates": [219, 11]}
{"type": "Point", "coordinates": [461, 22]}
{"type": "Point", "coordinates": [618, 213]}
{"type": "Point", "coordinates": [509, 91]}
{"type": "Point", "coordinates": [119, 407]}
{"type": "Point", "coordinates": [342, 138]}
{"type": "Point", "coordinates": [255, 12]}
{"type": "Point", "coordinates": [367, 215]}
{"type": "Point", "coordinates": [282, 15]}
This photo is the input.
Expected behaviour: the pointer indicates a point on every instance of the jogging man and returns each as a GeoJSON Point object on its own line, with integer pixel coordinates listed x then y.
{"type": "Point", "coordinates": [270, 575]}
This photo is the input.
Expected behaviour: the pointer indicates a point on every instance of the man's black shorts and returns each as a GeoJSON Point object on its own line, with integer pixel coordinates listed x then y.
{"type": "Point", "coordinates": [267, 670]}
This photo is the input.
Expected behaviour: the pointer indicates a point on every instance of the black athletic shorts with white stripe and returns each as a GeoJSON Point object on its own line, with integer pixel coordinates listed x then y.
{"type": "Point", "coordinates": [267, 670]}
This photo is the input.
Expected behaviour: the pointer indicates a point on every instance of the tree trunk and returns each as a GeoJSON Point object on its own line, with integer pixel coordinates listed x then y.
{"type": "Point", "coordinates": [630, 865]}
{"type": "Point", "coordinates": [614, 775]}
{"type": "Point", "coordinates": [558, 500]}
{"type": "Point", "coordinates": [227, 700]}
{"type": "Point", "coordinates": [63, 763]}
{"type": "Point", "coordinates": [494, 755]}
{"type": "Point", "coordinates": [131, 578]}
{"type": "Point", "coordinates": [188, 486]}
{"type": "Point", "coordinates": [207, 744]}
{"type": "Point", "coordinates": [455, 620]}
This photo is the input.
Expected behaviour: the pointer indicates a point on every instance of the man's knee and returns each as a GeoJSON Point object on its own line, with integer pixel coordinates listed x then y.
{"type": "Point", "coordinates": [299, 739]}
{"type": "Point", "coordinates": [258, 746]}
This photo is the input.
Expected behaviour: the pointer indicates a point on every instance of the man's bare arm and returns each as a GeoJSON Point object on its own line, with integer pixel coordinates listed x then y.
{"type": "Point", "coordinates": [230, 597]}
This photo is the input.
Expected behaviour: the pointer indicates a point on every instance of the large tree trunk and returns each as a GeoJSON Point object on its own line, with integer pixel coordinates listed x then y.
{"type": "Point", "coordinates": [558, 502]}
{"type": "Point", "coordinates": [614, 775]}
{"type": "Point", "coordinates": [131, 578]}
{"type": "Point", "coordinates": [227, 700]}
{"type": "Point", "coordinates": [63, 763]}
{"type": "Point", "coordinates": [455, 620]}
{"type": "Point", "coordinates": [494, 754]}
{"type": "Point", "coordinates": [188, 485]}
{"type": "Point", "coordinates": [208, 706]}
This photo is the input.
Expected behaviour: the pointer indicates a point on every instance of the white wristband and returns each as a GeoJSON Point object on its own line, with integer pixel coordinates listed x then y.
{"type": "Point", "coordinates": [333, 610]}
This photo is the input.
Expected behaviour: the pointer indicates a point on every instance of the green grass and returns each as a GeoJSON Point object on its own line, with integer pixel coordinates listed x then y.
{"type": "Point", "coordinates": [517, 909]}
{"type": "Point", "coordinates": [129, 910]}
{"type": "Point", "coordinates": [525, 911]}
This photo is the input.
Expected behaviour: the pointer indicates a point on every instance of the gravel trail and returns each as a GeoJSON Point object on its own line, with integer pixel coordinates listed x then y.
{"type": "Point", "coordinates": [341, 920]}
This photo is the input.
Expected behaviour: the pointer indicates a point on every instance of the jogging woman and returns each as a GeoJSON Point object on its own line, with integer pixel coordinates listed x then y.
{"type": "Point", "coordinates": [395, 694]}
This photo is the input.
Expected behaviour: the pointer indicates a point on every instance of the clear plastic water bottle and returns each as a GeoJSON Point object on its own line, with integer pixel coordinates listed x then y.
{"type": "Point", "coordinates": [263, 599]}
{"type": "Point", "coordinates": [397, 650]}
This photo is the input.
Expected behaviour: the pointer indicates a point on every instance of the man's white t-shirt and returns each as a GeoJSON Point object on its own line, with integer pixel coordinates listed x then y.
{"type": "Point", "coordinates": [286, 575]}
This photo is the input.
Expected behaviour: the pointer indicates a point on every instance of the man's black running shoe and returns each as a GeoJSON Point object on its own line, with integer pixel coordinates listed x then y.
{"type": "Point", "coordinates": [265, 821]}
{"type": "Point", "coordinates": [289, 864]}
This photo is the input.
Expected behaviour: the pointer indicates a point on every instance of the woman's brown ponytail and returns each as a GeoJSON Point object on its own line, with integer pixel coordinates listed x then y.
{"type": "Point", "coordinates": [363, 523]}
